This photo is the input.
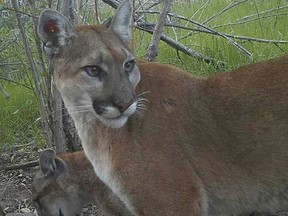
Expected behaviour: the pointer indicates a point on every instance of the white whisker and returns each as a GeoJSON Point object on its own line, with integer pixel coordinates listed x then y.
{"type": "Point", "coordinates": [143, 108]}
{"type": "Point", "coordinates": [73, 112]}
{"type": "Point", "coordinates": [143, 99]}
{"type": "Point", "coordinates": [143, 93]}
{"type": "Point", "coordinates": [57, 110]}
{"type": "Point", "coordinates": [89, 120]}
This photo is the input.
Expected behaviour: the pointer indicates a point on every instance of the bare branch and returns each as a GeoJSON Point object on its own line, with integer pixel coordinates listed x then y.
{"type": "Point", "coordinates": [239, 37]}
{"type": "Point", "coordinates": [251, 20]}
{"type": "Point", "coordinates": [22, 165]}
{"type": "Point", "coordinates": [154, 3]}
{"type": "Point", "coordinates": [262, 12]}
{"type": "Point", "coordinates": [19, 12]}
{"type": "Point", "coordinates": [203, 7]}
{"type": "Point", "coordinates": [152, 50]}
{"type": "Point", "coordinates": [178, 46]}
{"type": "Point", "coordinates": [20, 84]}
{"type": "Point", "coordinates": [211, 31]}
{"type": "Point", "coordinates": [174, 31]}
{"type": "Point", "coordinates": [230, 6]}
{"type": "Point", "coordinates": [58, 131]}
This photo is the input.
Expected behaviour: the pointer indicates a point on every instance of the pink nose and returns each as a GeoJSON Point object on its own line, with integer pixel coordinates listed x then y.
{"type": "Point", "coordinates": [122, 106]}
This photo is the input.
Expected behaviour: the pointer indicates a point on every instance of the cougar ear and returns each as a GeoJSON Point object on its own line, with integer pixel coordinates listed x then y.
{"type": "Point", "coordinates": [54, 30]}
{"type": "Point", "coordinates": [121, 21]}
{"type": "Point", "coordinates": [50, 164]}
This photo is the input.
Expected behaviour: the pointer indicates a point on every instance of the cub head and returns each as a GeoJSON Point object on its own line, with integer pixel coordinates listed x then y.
{"type": "Point", "coordinates": [94, 69]}
{"type": "Point", "coordinates": [53, 192]}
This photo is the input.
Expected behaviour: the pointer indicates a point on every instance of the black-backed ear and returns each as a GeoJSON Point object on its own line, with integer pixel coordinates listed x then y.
{"type": "Point", "coordinates": [54, 30]}
{"type": "Point", "coordinates": [50, 164]}
{"type": "Point", "coordinates": [121, 22]}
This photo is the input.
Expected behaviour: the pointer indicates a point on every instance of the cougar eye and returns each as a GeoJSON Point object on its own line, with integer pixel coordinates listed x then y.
{"type": "Point", "coordinates": [129, 66]}
{"type": "Point", "coordinates": [93, 70]}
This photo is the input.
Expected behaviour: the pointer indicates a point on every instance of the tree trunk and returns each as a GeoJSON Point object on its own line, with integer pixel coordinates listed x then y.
{"type": "Point", "coordinates": [58, 131]}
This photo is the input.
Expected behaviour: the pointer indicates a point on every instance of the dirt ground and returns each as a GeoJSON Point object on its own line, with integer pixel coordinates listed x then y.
{"type": "Point", "coordinates": [15, 184]}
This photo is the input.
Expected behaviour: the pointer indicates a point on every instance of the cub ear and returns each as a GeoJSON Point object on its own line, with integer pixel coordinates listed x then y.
{"type": "Point", "coordinates": [121, 22]}
{"type": "Point", "coordinates": [54, 30]}
{"type": "Point", "coordinates": [50, 164]}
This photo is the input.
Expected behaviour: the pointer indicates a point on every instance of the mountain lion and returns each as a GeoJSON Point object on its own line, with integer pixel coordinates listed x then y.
{"type": "Point", "coordinates": [172, 143]}
{"type": "Point", "coordinates": [66, 182]}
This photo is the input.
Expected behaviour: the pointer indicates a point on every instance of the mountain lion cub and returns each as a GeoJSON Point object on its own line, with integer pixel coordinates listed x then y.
{"type": "Point", "coordinates": [178, 144]}
{"type": "Point", "coordinates": [66, 182]}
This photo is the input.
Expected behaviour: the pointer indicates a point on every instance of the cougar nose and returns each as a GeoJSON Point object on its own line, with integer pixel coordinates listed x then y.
{"type": "Point", "coordinates": [122, 106]}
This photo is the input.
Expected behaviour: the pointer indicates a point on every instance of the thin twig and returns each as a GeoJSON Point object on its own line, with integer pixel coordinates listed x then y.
{"type": "Point", "coordinates": [203, 7]}
{"type": "Point", "coordinates": [208, 30]}
{"type": "Point", "coordinates": [17, 83]}
{"type": "Point", "coordinates": [251, 20]}
{"type": "Point", "coordinates": [8, 44]}
{"type": "Point", "coordinates": [23, 145]}
{"type": "Point", "coordinates": [262, 12]}
{"type": "Point", "coordinates": [259, 20]}
{"type": "Point", "coordinates": [239, 37]}
{"type": "Point", "coordinates": [230, 6]}
{"type": "Point", "coordinates": [214, 32]}
{"type": "Point", "coordinates": [20, 12]}
{"type": "Point", "coordinates": [173, 29]}
{"type": "Point", "coordinates": [22, 165]}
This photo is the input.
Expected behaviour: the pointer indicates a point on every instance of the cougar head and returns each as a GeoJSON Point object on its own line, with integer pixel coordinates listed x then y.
{"type": "Point", "coordinates": [94, 69]}
{"type": "Point", "coordinates": [52, 194]}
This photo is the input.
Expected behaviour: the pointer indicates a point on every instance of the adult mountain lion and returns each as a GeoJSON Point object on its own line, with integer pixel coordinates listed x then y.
{"type": "Point", "coordinates": [197, 146]}
{"type": "Point", "coordinates": [67, 181]}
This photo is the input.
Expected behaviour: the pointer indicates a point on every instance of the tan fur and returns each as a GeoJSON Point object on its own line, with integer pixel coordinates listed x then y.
{"type": "Point", "coordinates": [71, 189]}
{"type": "Point", "coordinates": [200, 146]}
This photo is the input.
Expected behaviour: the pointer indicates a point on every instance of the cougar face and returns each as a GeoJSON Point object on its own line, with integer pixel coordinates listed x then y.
{"type": "Point", "coordinates": [53, 193]}
{"type": "Point", "coordinates": [99, 79]}
{"type": "Point", "coordinates": [66, 182]}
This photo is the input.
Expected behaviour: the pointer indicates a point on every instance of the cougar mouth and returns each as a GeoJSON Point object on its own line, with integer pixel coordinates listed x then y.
{"type": "Point", "coordinates": [111, 116]}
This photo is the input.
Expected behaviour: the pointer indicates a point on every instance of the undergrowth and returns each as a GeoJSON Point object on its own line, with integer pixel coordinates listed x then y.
{"type": "Point", "coordinates": [19, 116]}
